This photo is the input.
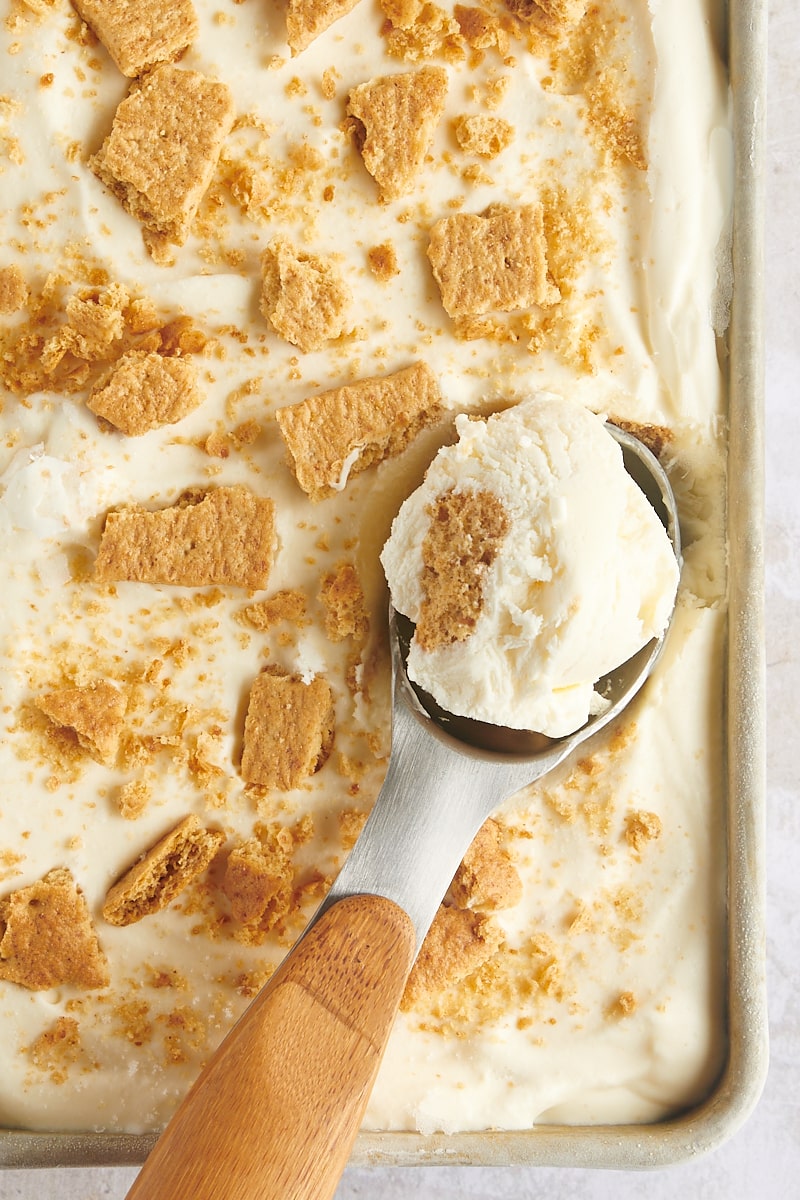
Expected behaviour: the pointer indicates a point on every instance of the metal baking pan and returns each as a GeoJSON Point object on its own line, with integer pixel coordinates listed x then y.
{"type": "Point", "coordinates": [701, 1129]}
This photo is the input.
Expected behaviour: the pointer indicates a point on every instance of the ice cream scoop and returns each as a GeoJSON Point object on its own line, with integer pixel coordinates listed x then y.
{"type": "Point", "coordinates": [531, 565]}
{"type": "Point", "coordinates": [275, 1111]}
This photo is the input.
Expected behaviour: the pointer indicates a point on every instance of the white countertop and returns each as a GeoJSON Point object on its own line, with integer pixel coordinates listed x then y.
{"type": "Point", "coordinates": [763, 1158]}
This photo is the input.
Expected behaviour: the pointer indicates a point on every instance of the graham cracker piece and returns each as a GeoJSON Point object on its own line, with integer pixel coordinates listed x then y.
{"type": "Point", "coordinates": [47, 938]}
{"type": "Point", "coordinates": [259, 878]}
{"type": "Point", "coordinates": [342, 598]}
{"type": "Point", "coordinates": [13, 290]}
{"type": "Point", "coordinates": [486, 878]}
{"type": "Point", "coordinates": [141, 35]}
{"type": "Point", "coordinates": [493, 261]}
{"type": "Point", "coordinates": [334, 435]}
{"type": "Point", "coordinates": [95, 712]}
{"type": "Point", "coordinates": [307, 19]}
{"type": "Point", "coordinates": [657, 438]}
{"type": "Point", "coordinates": [464, 535]}
{"type": "Point", "coordinates": [163, 872]}
{"type": "Point", "coordinates": [394, 119]}
{"type": "Point", "coordinates": [163, 147]}
{"type": "Point", "coordinates": [457, 944]}
{"type": "Point", "coordinates": [288, 730]}
{"type": "Point", "coordinates": [95, 320]}
{"type": "Point", "coordinates": [224, 536]}
{"type": "Point", "coordinates": [303, 295]}
{"type": "Point", "coordinates": [145, 391]}
{"type": "Point", "coordinates": [483, 135]}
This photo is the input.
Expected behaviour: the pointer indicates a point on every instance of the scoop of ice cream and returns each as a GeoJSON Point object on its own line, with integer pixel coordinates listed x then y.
{"type": "Point", "coordinates": [531, 565]}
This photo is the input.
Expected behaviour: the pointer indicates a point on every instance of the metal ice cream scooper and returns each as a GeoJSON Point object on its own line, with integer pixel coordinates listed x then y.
{"type": "Point", "coordinates": [274, 1113]}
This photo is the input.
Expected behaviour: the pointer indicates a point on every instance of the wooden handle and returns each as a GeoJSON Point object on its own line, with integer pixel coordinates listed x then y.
{"type": "Point", "coordinates": [275, 1112]}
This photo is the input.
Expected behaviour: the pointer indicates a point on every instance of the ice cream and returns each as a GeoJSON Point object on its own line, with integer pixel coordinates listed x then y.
{"type": "Point", "coordinates": [593, 156]}
{"type": "Point", "coordinates": [531, 565]}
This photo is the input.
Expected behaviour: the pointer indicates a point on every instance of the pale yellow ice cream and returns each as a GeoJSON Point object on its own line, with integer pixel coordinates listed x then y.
{"type": "Point", "coordinates": [603, 997]}
{"type": "Point", "coordinates": [583, 574]}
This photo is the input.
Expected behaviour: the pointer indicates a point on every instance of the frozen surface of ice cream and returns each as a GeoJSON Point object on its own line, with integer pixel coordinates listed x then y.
{"type": "Point", "coordinates": [595, 157]}
{"type": "Point", "coordinates": [531, 564]}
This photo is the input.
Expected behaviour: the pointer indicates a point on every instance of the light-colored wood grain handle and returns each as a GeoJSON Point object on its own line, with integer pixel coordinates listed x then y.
{"type": "Point", "coordinates": [275, 1112]}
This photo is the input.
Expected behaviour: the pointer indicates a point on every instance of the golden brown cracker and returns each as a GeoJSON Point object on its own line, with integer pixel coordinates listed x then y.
{"type": "Point", "coordinates": [141, 35]}
{"type": "Point", "coordinates": [47, 938]}
{"type": "Point", "coordinates": [163, 147]}
{"type": "Point", "coordinates": [307, 19]}
{"type": "Point", "coordinates": [394, 119]}
{"type": "Point", "coordinates": [161, 874]}
{"type": "Point", "coordinates": [486, 878]}
{"type": "Point", "coordinates": [303, 296]}
{"type": "Point", "coordinates": [457, 944]}
{"type": "Point", "coordinates": [492, 261]}
{"type": "Point", "coordinates": [94, 711]}
{"type": "Point", "coordinates": [225, 537]}
{"type": "Point", "coordinates": [334, 435]}
{"type": "Point", "coordinates": [145, 391]}
{"type": "Point", "coordinates": [288, 731]}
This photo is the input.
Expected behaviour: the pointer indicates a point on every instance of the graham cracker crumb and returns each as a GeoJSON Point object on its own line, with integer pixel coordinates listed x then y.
{"type": "Point", "coordinates": [495, 260]}
{"type": "Point", "coordinates": [287, 605]}
{"type": "Point", "coordinates": [486, 879]}
{"type": "Point", "coordinates": [351, 822]}
{"type": "Point", "coordinates": [133, 798]}
{"type": "Point", "coordinates": [307, 19]}
{"type": "Point", "coordinates": [163, 872]}
{"type": "Point", "coordinates": [641, 827]}
{"type": "Point", "coordinates": [57, 1049]}
{"type": "Point", "coordinates": [625, 1005]}
{"type": "Point", "coordinates": [394, 119]}
{"type": "Point", "coordinates": [418, 29]}
{"type": "Point", "coordinates": [224, 536]}
{"type": "Point", "coordinates": [94, 712]}
{"type": "Point", "coordinates": [288, 731]}
{"type": "Point", "coordinates": [9, 864]}
{"type": "Point", "coordinates": [458, 943]}
{"type": "Point", "coordinates": [382, 261]}
{"type": "Point", "coordinates": [616, 125]}
{"type": "Point", "coordinates": [328, 82]}
{"type": "Point", "coordinates": [146, 391]}
{"type": "Point", "coordinates": [342, 598]}
{"type": "Point", "coordinates": [332, 436]}
{"type": "Point", "coordinates": [483, 135]}
{"type": "Point", "coordinates": [180, 336]}
{"type": "Point", "coordinates": [163, 147]}
{"type": "Point", "coordinates": [139, 36]}
{"type": "Point", "coordinates": [95, 319]}
{"type": "Point", "coordinates": [47, 938]}
{"type": "Point", "coordinates": [13, 290]}
{"type": "Point", "coordinates": [464, 536]}
{"type": "Point", "coordinates": [303, 295]}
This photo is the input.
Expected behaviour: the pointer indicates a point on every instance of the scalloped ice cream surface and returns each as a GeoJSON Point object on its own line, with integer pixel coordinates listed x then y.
{"type": "Point", "coordinates": [245, 299]}
{"type": "Point", "coordinates": [531, 565]}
